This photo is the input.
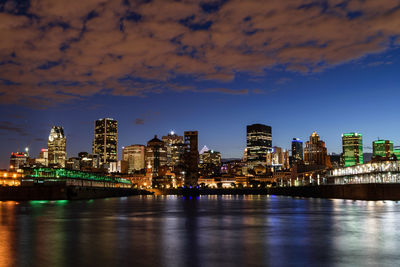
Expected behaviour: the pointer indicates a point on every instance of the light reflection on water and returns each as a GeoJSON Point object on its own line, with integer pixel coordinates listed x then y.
{"type": "Point", "coordinates": [207, 231]}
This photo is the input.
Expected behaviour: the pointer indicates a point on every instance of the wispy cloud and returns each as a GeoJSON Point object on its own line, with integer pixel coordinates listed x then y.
{"type": "Point", "coordinates": [139, 121]}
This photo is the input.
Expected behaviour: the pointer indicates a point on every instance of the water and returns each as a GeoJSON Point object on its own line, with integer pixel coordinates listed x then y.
{"type": "Point", "coordinates": [207, 231]}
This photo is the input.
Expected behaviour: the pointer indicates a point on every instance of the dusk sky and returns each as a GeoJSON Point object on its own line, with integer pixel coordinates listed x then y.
{"type": "Point", "coordinates": [211, 66]}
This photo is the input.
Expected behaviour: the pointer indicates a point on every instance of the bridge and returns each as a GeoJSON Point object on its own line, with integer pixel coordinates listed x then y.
{"type": "Point", "coordinates": [369, 173]}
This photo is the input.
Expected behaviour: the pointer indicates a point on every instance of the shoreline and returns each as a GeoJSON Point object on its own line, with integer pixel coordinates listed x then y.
{"type": "Point", "coordinates": [61, 192]}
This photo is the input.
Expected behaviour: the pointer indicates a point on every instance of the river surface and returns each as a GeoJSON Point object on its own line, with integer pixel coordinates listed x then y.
{"type": "Point", "coordinates": [204, 231]}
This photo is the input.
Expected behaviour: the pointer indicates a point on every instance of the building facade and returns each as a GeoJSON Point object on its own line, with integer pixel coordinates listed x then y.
{"type": "Point", "coordinates": [56, 147]}
{"type": "Point", "coordinates": [175, 148]}
{"type": "Point", "coordinates": [315, 152]}
{"type": "Point", "coordinates": [105, 143]}
{"type": "Point", "coordinates": [259, 142]}
{"type": "Point", "coordinates": [297, 150]}
{"type": "Point", "coordinates": [382, 149]}
{"type": "Point", "coordinates": [134, 155]}
{"type": "Point", "coordinates": [352, 149]}
{"type": "Point", "coordinates": [191, 158]}
{"type": "Point", "coordinates": [278, 158]}
{"type": "Point", "coordinates": [18, 160]}
{"type": "Point", "coordinates": [156, 155]}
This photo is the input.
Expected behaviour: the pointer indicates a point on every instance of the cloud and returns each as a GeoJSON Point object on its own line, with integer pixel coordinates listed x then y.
{"type": "Point", "coordinates": [60, 51]}
{"type": "Point", "coordinates": [224, 91]}
{"type": "Point", "coordinates": [10, 127]}
{"type": "Point", "coordinates": [283, 80]}
{"type": "Point", "coordinates": [139, 121]}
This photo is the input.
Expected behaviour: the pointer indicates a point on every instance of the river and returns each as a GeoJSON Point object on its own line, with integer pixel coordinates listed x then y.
{"type": "Point", "coordinates": [204, 231]}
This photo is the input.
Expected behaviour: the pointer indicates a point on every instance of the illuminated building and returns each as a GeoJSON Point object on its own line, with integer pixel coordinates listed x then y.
{"type": "Point", "coordinates": [297, 150]}
{"type": "Point", "coordinates": [315, 152]}
{"type": "Point", "coordinates": [175, 148]}
{"type": "Point", "coordinates": [73, 164]}
{"type": "Point", "coordinates": [210, 157]}
{"type": "Point", "coordinates": [88, 161]}
{"type": "Point", "coordinates": [57, 153]}
{"type": "Point", "coordinates": [18, 160]}
{"type": "Point", "coordinates": [43, 157]}
{"type": "Point", "coordinates": [244, 158]}
{"type": "Point", "coordinates": [382, 149]}
{"type": "Point", "coordinates": [191, 158]}
{"type": "Point", "coordinates": [210, 162]}
{"type": "Point", "coordinates": [352, 149]}
{"type": "Point", "coordinates": [105, 143]}
{"type": "Point", "coordinates": [259, 142]}
{"type": "Point", "coordinates": [396, 152]}
{"type": "Point", "coordinates": [10, 178]}
{"type": "Point", "coordinates": [156, 155]}
{"type": "Point", "coordinates": [134, 155]}
{"type": "Point", "coordinates": [278, 158]}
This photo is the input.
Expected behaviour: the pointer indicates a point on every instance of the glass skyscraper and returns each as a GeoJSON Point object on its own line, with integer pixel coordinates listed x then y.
{"type": "Point", "coordinates": [352, 149]}
{"type": "Point", "coordinates": [105, 143]}
{"type": "Point", "coordinates": [259, 142]}
{"type": "Point", "coordinates": [57, 153]}
{"type": "Point", "coordinates": [382, 148]}
{"type": "Point", "coordinates": [297, 150]}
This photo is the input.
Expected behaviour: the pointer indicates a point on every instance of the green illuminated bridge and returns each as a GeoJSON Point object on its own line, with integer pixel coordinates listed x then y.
{"type": "Point", "coordinates": [71, 177]}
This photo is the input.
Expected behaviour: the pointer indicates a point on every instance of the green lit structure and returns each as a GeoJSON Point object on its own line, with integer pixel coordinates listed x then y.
{"type": "Point", "coordinates": [54, 175]}
{"type": "Point", "coordinates": [382, 148]}
{"type": "Point", "coordinates": [396, 152]}
{"type": "Point", "coordinates": [352, 149]}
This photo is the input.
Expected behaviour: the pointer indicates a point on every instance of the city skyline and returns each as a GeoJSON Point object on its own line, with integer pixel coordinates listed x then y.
{"type": "Point", "coordinates": [367, 147]}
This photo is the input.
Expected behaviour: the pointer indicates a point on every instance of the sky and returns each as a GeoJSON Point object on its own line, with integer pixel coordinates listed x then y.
{"type": "Point", "coordinates": [213, 66]}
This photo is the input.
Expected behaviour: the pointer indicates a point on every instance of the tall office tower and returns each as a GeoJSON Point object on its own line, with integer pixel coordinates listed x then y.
{"type": "Point", "coordinates": [135, 156]}
{"type": "Point", "coordinates": [352, 149]}
{"type": "Point", "coordinates": [278, 158]}
{"type": "Point", "coordinates": [259, 142]}
{"type": "Point", "coordinates": [175, 148]}
{"type": "Point", "coordinates": [191, 158]}
{"type": "Point", "coordinates": [57, 153]}
{"type": "Point", "coordinates": [297, 150]}
{"type": "Point", "coordinates": [156, 154]}
{"type": "Point", "coordinates": [382, 148]}
{"type": "Point", "coordinates": [315, 152]}
{"type": "Point", "coordinates": [105, 143]}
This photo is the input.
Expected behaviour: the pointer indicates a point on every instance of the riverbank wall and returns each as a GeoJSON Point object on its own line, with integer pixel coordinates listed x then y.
{"type": "Point", "coordinates": [61, 192]}
{"type": "Point", "coordinates": [347, 191]}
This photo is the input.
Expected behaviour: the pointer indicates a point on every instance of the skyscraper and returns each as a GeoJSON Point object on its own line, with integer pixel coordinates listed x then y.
{"type": "Point", "coordinates": [191, 158]}
{"type": "Point", "coordinates": [135, 156]}
{"type": "Point", "coordinates": [352, 149]}
{"type": "Point", "coordinates": [297, 150]}
{"type": "Point", "coordinates": [259, 142]}
{"type": "Point", "coordinates": [105, 143]}
{"type": "Point", "coordinates": [315, 152]}
{"type": "Point", "coordinates": [175, 148]}
{"type": "Point", "coordinates": [156, 154]}
{"type": "Point", "coordinates": [382, 148]}
{"type": "Point", "coordinates": [57, 153]}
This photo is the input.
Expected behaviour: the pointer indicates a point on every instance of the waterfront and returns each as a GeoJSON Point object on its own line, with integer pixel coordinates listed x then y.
{"type": "Point", "coordinates": [204, 231]}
